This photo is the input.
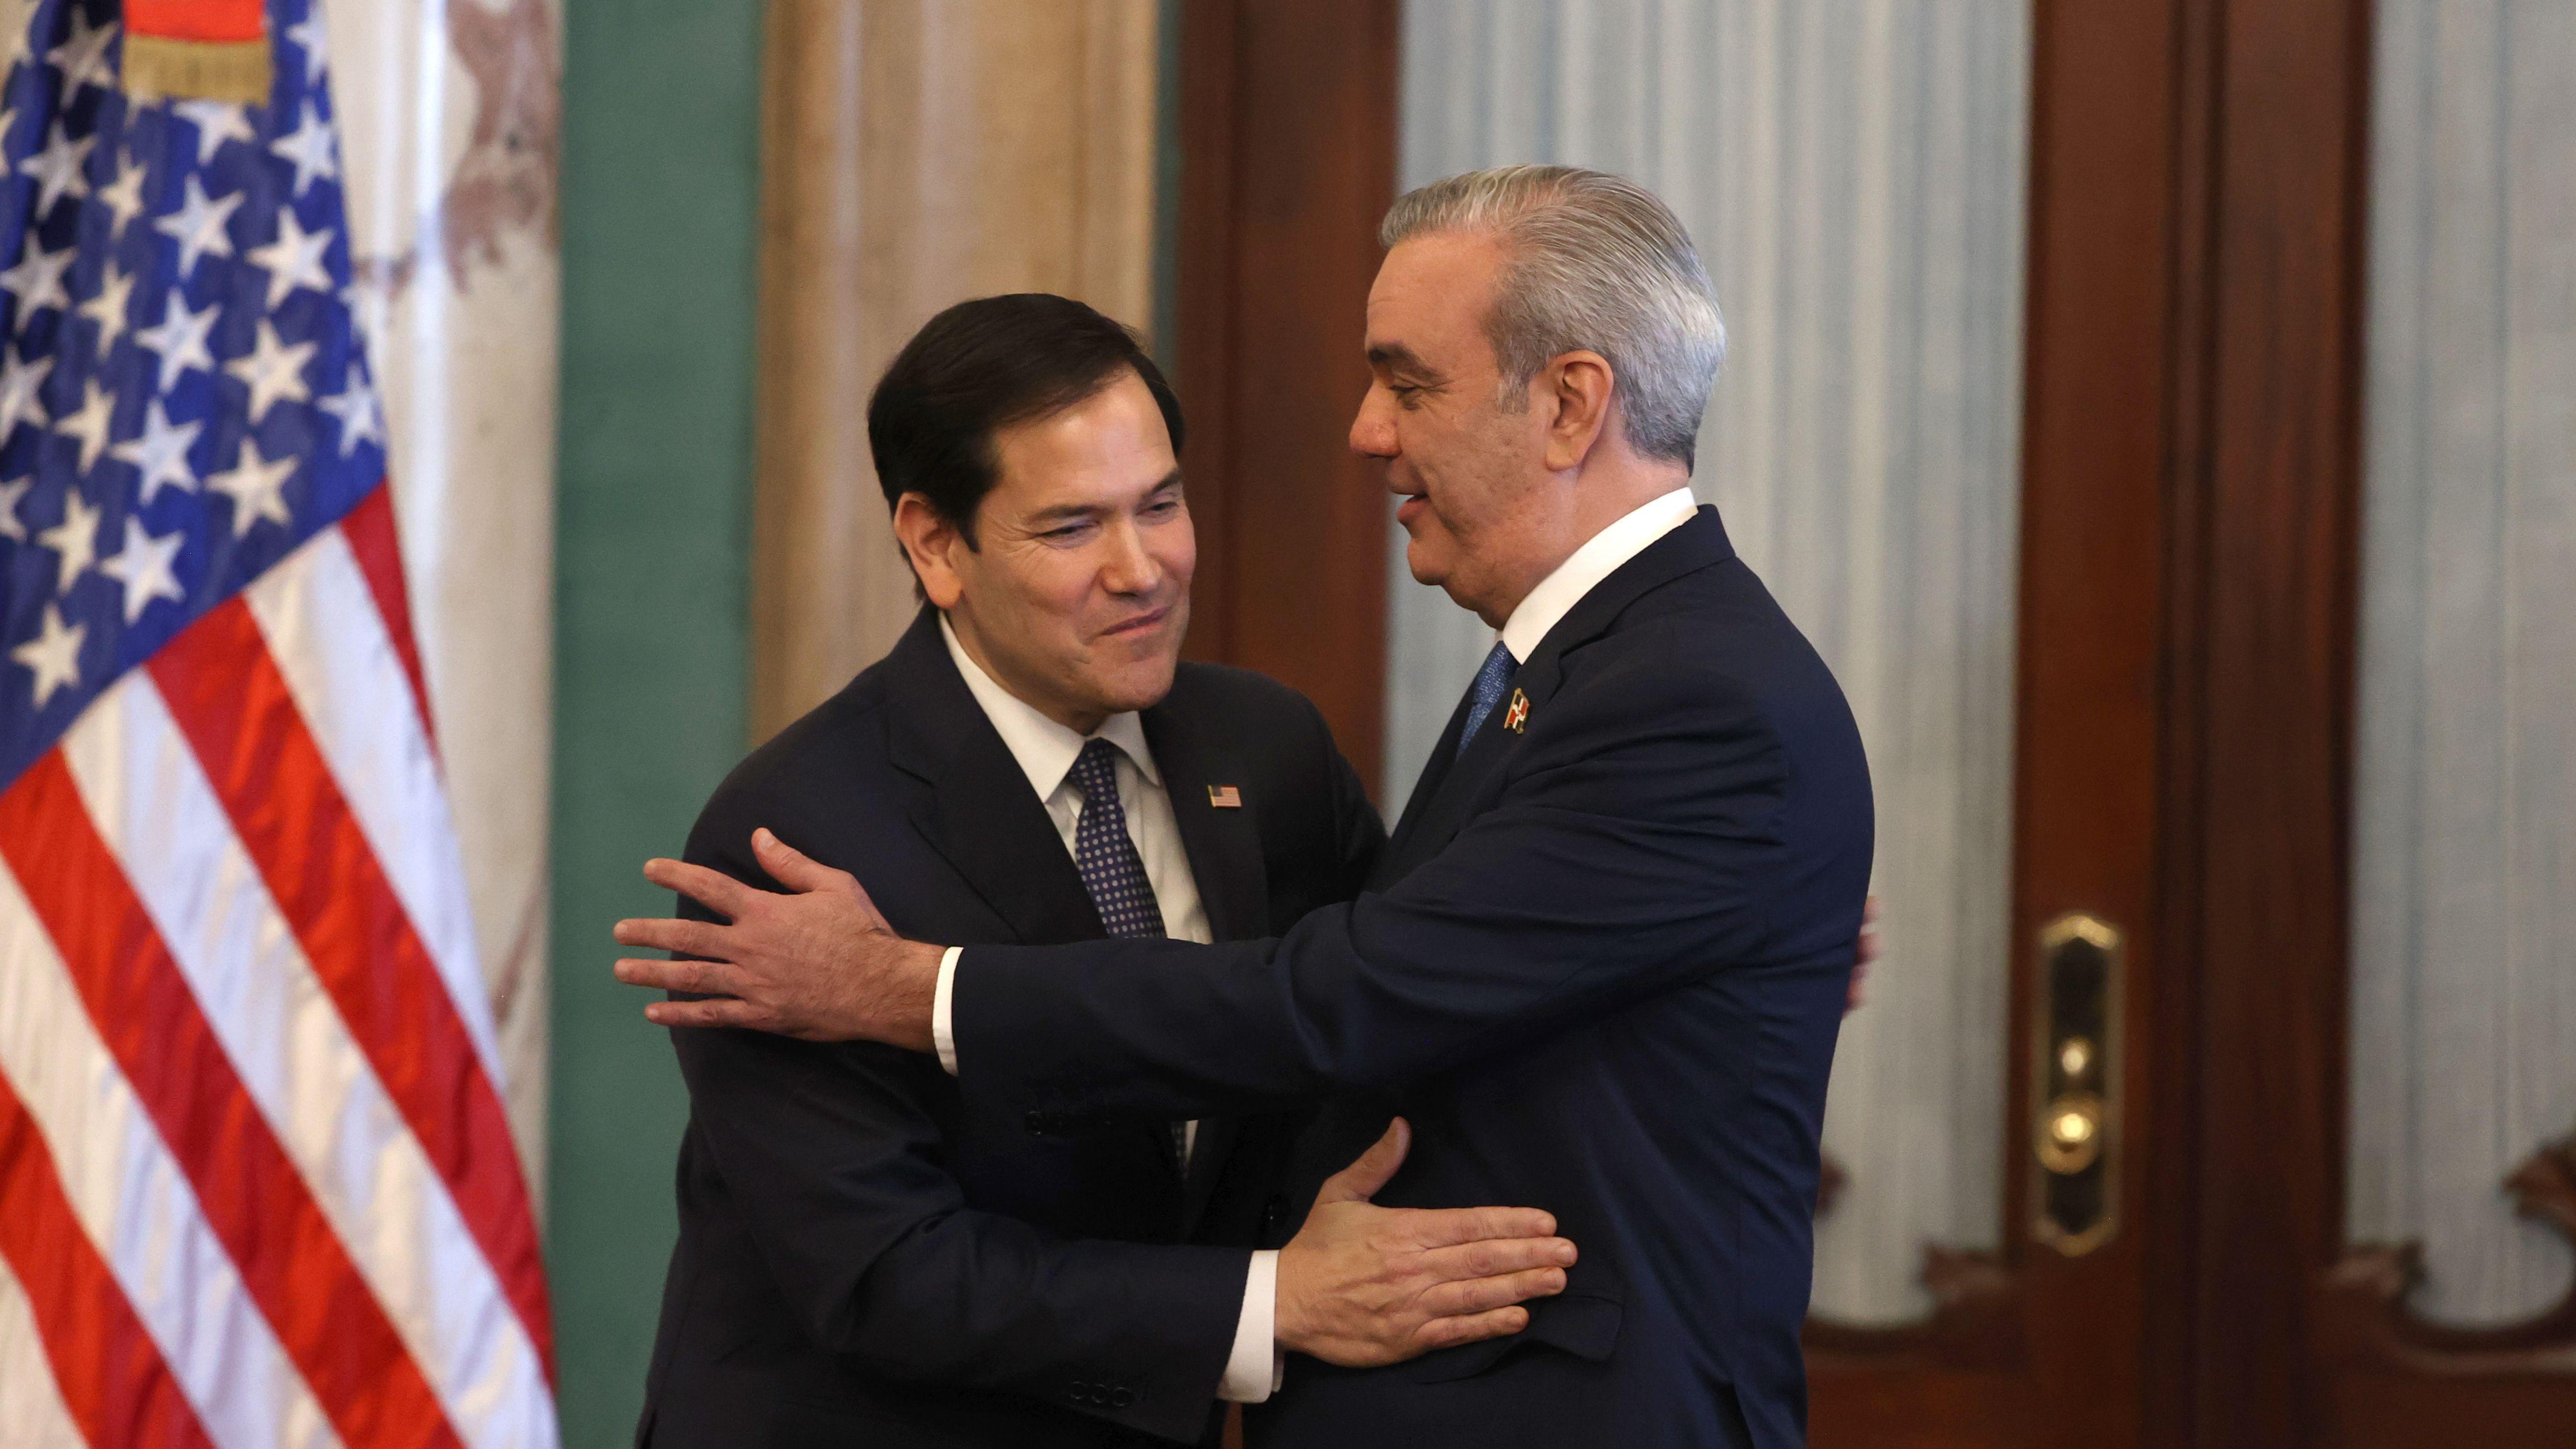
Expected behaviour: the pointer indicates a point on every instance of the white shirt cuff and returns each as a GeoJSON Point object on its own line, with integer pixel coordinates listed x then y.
{"type": "Point", "coordinates": [943, 1033]}
{"type": "Point", "coordinates": [1252, 1369]}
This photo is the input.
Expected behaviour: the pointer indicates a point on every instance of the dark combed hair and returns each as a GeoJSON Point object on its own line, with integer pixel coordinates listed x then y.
{"type": "Point", "coordinates": [980, 367]}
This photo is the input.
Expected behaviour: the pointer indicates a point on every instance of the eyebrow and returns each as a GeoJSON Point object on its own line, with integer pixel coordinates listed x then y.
{"type": "Point", "coordinates": [1398, 357]}
{"type": "Point", "coordinates": [1067, 512]}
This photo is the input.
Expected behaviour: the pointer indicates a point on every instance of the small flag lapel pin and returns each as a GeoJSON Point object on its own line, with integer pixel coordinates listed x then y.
{"type": "Point", "coordinates": [1225, 797]}
{"type": "Point", "coordinates": [1518, 714]}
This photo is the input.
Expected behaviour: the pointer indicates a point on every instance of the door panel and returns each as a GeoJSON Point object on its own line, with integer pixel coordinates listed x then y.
{"type": "Point", "coordinates": [2464, 776]}
{"type": "Point", "coordinates": [2046, 1340]}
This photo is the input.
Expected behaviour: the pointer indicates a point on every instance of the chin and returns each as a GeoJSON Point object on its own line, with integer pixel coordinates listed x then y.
{"type": "Point", "coordinates": [1426, 564]}
{"type": "Point", "coordinates": [1137, 684]}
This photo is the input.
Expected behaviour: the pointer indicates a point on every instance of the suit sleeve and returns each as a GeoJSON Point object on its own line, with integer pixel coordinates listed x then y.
{"type": "Point", "coordinates": [837, 1165]}
{"type": "Point", "coordinates": [1634, 847]}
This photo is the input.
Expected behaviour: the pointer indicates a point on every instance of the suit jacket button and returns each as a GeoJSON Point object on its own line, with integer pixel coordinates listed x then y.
{"type": "Point", "coordinates": [1121, 1398]}
{"type": "Point", "coordinates": [1036, 1122]}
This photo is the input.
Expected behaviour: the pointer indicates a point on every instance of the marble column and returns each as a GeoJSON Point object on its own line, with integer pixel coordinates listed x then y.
{"type": "Point", "coordinates": [917, 153]}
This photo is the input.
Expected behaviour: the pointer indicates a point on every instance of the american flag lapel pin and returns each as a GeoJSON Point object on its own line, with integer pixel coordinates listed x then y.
{"type": "Point", "coordinates": [1518, 714]}
{"type": "Point", "coordinates": [1225, 797]}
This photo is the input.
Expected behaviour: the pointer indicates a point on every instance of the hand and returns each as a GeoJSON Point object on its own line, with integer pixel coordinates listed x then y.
{"type": "Point", "coordinates": [1868, 952]}
{"type": "Point", "coordinates": [819, 963]}
{"type": "Point", "coordinates": [1362, 1285]}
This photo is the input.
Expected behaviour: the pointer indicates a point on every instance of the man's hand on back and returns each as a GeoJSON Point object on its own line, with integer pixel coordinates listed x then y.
{"type": "Point", "coordinates": [819, 962]}
{"type": "Point", "coordinates": [1362, 1285]}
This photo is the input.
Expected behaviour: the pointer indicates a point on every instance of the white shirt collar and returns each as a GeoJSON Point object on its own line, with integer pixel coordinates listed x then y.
{"type": "Point", "coordinates": [1044, 749]}
{"type": "Point", "coordinates": [1598, 558]}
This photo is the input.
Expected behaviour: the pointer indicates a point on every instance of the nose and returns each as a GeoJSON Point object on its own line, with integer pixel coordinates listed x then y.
{"type": "Point", "coordinates": [1128, 567]}
{"type": "Point", "coordinates": [1373, 429]}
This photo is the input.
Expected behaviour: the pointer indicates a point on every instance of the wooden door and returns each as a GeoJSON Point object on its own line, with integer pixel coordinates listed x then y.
{"type": "Point", "coordinates": [2062, 1335]}
{"type": "Point", "coordinates": [2200, 206]}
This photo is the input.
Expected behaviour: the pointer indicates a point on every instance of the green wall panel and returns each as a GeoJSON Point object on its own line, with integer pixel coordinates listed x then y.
{"type": "Point", "coordinates": [660, 225]}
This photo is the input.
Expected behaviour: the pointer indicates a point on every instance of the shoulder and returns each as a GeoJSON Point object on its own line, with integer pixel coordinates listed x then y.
{"type": "Point", "coordinates": [832, 752]}
{"type": "Point", "coordinates": [1710, 652]}
{"type": "Point", "coordinates": [1242, 704]}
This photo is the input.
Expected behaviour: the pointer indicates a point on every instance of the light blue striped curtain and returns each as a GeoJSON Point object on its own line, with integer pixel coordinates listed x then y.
{"type": "Point", "coordinates": [1854, 174]}
{"type": "Point", "coordinates": [2464, 861]}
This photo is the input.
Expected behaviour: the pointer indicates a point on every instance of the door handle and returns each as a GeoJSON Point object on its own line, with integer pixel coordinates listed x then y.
{"type": "Point", "coordinates": [2075, 1129]}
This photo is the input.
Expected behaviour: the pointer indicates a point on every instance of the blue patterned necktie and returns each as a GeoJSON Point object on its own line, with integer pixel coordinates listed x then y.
{"type": "Point", "coordinates": [1111, 869]}
{"type": "Point", "coordinates": [1487, 691]}
{"type": "Point", "coordinates": [1102, 850]}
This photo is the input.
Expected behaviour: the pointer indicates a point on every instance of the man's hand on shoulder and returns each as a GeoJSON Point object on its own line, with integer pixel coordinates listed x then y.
{"type": "Point", "coordinates": [819, 962]}
{"type": "Point", "coordinates": [1362, 1285]}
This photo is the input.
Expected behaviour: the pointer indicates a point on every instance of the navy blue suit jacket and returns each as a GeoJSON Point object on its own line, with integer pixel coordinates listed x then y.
{"type": "Point", "coordinates": [1601, 968]}
{"type": "Point", "coordinates": [869, 1255]}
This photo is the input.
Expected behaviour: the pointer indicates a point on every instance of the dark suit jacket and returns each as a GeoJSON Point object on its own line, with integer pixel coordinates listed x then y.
{"type": "Point", "coordinates": [1601, 967]}
{"type": "Point", "coordinates": [868, 1255]}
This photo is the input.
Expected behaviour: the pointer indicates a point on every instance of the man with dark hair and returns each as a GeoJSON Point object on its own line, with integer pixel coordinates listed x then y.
{"type": "Point", "coordinates": [868, 1254]}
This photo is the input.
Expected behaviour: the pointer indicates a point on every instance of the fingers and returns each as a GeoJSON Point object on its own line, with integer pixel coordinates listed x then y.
{"type": "Point", "coordinates": [689, 938]}
{"type": "Point", "coordinates": [1478, 1295]}
{"type": "Point", "coordinates": [1485, 1258]}
{"type": "Point", "coordinates": [717, 1012]}
{"type": "Point", "coordinates": [1451, 1332]}
{"type": "Point", "coordinates": [1441, 1227]}
{"type": "Point", "coordinates": [699, 978]}
{"type": "Point", "coordinates": [1360, 1181]}
{"type": "Point", "coordinates": [791, 867]}
{"type": "Point", "coordinates": [712, 889]}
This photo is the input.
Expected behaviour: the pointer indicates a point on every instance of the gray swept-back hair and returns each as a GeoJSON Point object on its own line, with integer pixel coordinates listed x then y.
{"type": "Point", "coordinates": [1593, 262]}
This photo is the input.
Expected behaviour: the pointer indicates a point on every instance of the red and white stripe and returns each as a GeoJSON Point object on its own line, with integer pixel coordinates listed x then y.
{"type": "Point", "coordinates": [256, 1187]}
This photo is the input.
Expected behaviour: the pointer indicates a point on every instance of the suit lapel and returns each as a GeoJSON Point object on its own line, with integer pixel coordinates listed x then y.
{"type": "Point", "coordinates": [1426, 787]}
{"type": "Point", "coordinates": [1436, 820]}
{"type": "Point", "coordinates": [1455, 794]}
{"type": "Point", "coordinates": [1224, 845]}
{"type": "Point", "coordinates": [977, 809]}
{"type": "Point", "coordinates": [1224, 848]}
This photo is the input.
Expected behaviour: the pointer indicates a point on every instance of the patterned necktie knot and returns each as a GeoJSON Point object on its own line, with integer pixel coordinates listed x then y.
{"type": "Point", "coordinates": [1487, 691]}
{"type": "Point", "coordinates": [1095, 771]}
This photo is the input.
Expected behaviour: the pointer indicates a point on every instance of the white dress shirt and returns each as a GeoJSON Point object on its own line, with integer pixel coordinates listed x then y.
{"type": "Point", "coordinates": [1584, 569]}
{"type": "Point", "coordinates": [1046, 751]}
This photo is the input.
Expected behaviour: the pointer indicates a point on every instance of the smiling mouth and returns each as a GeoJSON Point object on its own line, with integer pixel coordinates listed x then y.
{"type": "Point", "coordinates": [1137, 625]}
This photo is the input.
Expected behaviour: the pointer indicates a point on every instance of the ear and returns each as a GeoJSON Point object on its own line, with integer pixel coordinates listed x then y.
{"type": "Point", "coordinates": [1577, 386]}
{"type": "Point", "coordinates": [931, 542]}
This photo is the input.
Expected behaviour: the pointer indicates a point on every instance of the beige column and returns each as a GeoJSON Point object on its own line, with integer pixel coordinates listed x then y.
{"type": "Point", "coordinates": [916, 153]}
{"type": "Point", "coordinates": [448, 117]}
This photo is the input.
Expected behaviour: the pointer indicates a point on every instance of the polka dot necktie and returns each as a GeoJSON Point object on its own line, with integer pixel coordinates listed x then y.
{"type": "Point", "coordinates": [1111, 869]}
{"type": "Point", "coordinates": [1487, 691]}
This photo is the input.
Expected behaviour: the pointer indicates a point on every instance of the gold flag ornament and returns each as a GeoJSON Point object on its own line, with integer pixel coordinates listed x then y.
{"type": "Point", "coordinates": [197, 50]}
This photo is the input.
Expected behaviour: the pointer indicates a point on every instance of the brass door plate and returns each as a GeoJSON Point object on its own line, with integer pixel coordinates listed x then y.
{"type": "Point", "coordinates": [2075, 1123]}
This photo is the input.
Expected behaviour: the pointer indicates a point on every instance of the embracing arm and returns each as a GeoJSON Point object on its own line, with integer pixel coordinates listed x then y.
{"type": "Point", "coordinates": [1635, 848]}
{"type": "Point", "coordinates": [839, 1167]}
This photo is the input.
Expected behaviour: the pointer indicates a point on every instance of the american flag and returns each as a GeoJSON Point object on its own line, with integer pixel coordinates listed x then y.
{"type": "Point", "coordinates": [256, 1187]}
